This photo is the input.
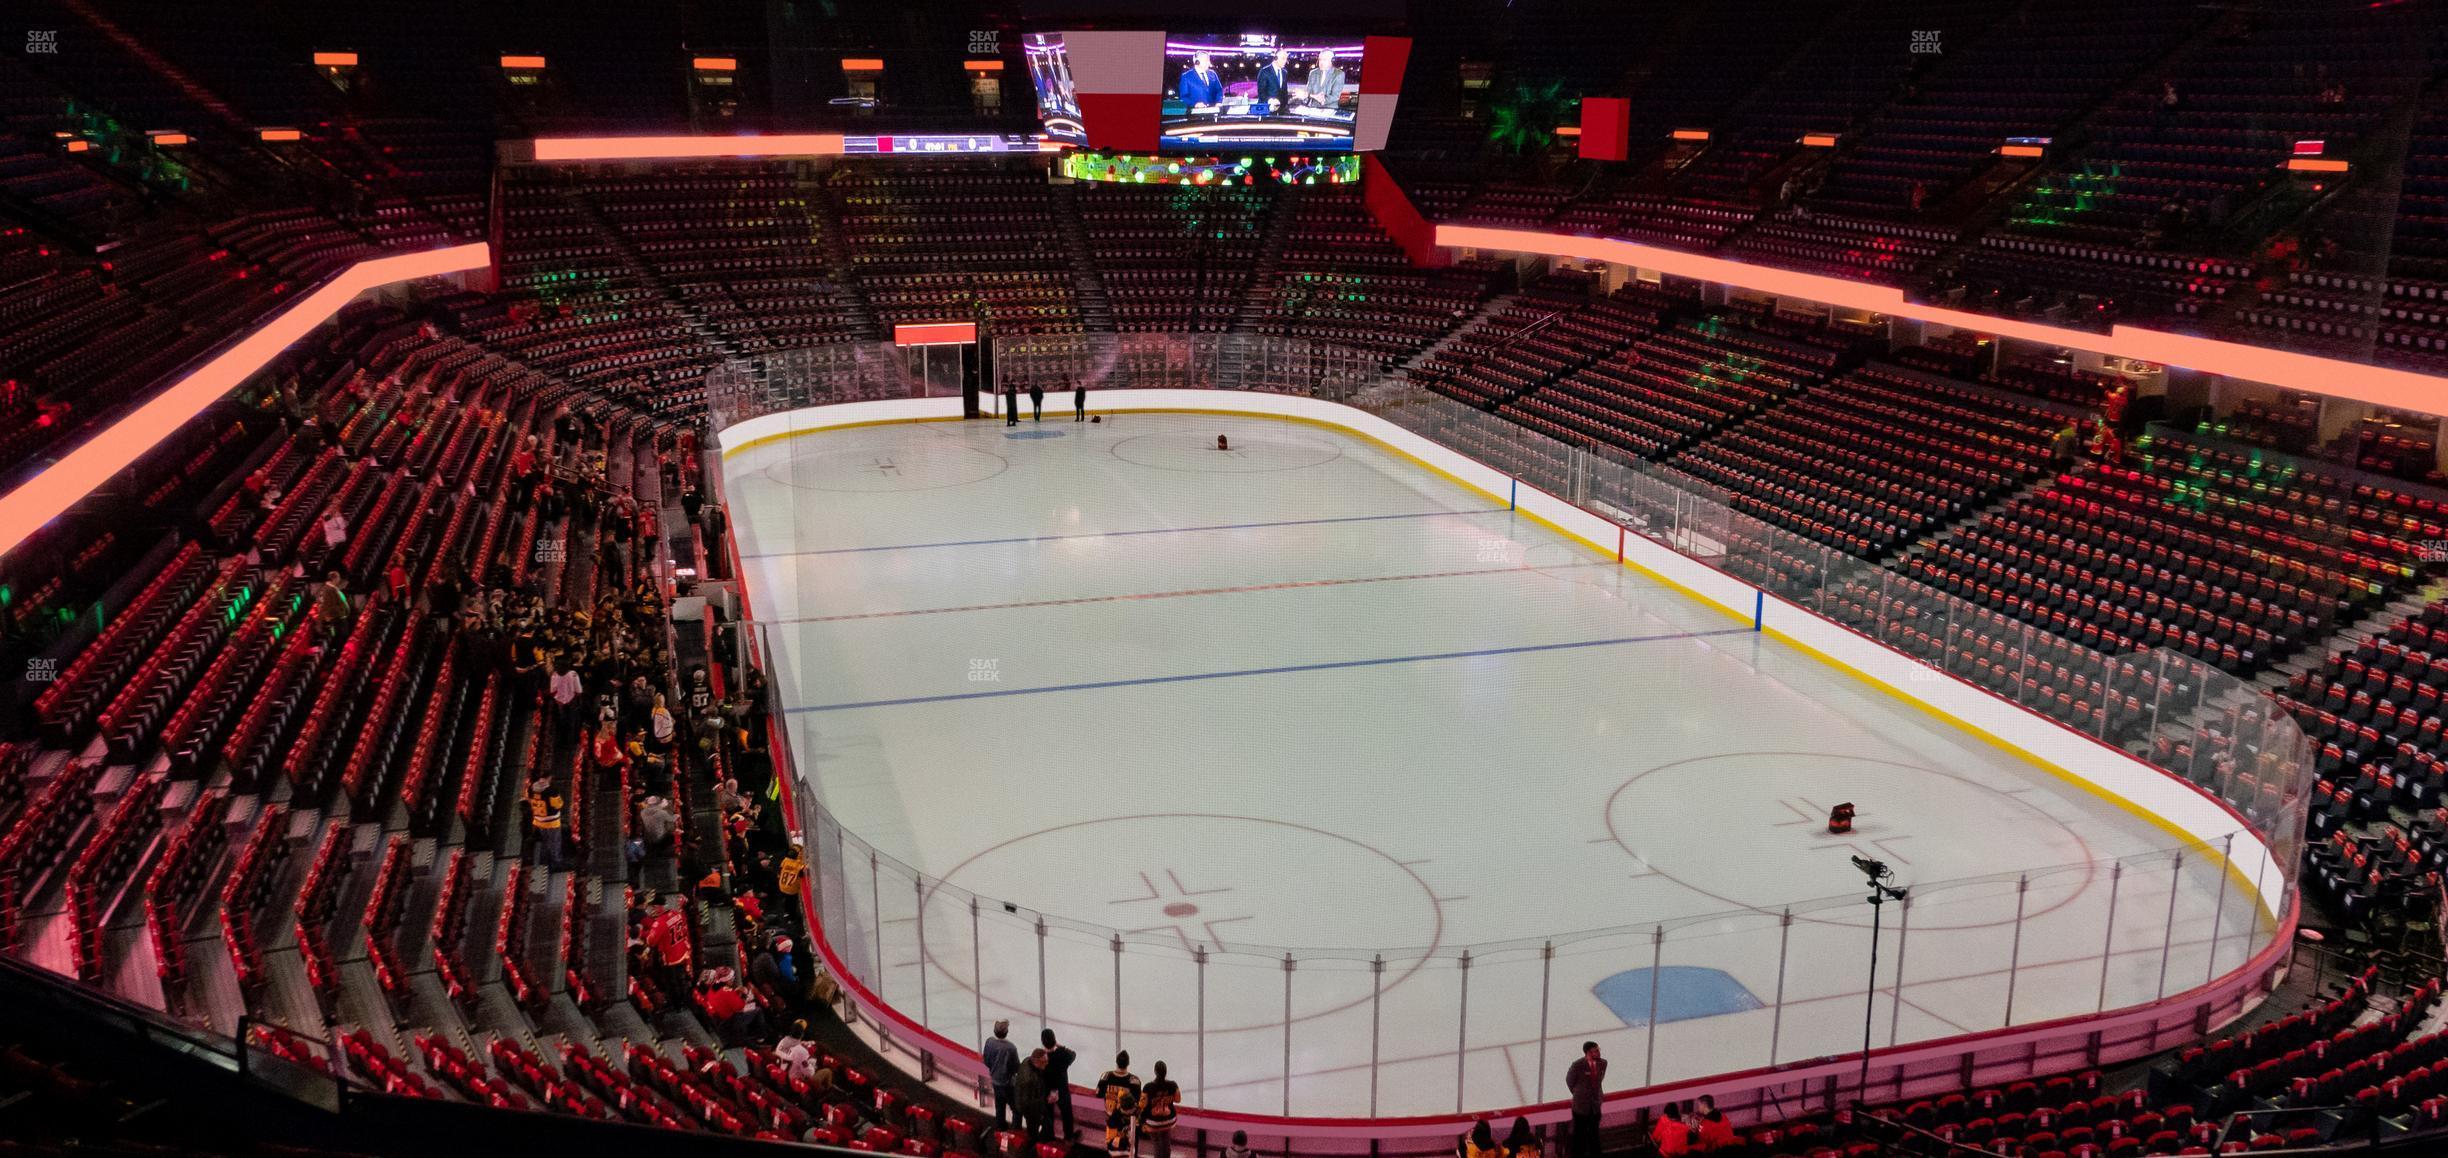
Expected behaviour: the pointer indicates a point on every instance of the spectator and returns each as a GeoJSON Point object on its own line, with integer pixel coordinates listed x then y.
{"type": "Point", "coordinates": [609, 754]}
{"type": "Point", "coordinates": [1521, 1141]}
{"type": "Point", "coordinates": [1671, 1136]}
{"type": "Point", "coordinates": [2064, 444]}
{"type": "Point", "coordinates": [565, 689]}
{"type": "Point", "coordinates": [1157, 1103]}
{"type": "Point", "coordinates": [1029, 1097]}
{"type": "Point", "coordinates": [786, 875]}
{"type": "Point", "coordinates": [659, 725]}
{"type": "Point", "coordinates": [796, 1058]}
{"type": "Point", "coordinates": [1120, 1117]}
{"type": "Point", "coordinates": [1058, 1082]}
{"type": "Point", "coordinates": [1586, 1079]}
{"type": "Point", "coordinates": [1713, 1131]}
{"type": "Point", "coordinates": [544, 816]}
{"type": "Point", "coordinates": [331, 603]}
{"type": "Point", "coordinates": [1240, 1147]}
{"type": "Point", "coordinates": [657, 821]}
{"type": "Point", "coordinates": [1479, 1143]}
{"type": "Point", "coordinates": [667, 936]}
{"type": "Point", "coordinates": [335, 529]}
{"type": "Point", "coordinates": [1118, 1088]}
{"type": "Point", "coordinates": [1002, 1060]}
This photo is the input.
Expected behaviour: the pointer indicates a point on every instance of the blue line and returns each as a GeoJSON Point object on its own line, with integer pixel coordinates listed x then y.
{"type": "Point", "coordinates": [1259, 671]}
{"type": "Point", "coordinates": [1759, 609]}
{"type": "Point", "coordinates": [1120, 534]}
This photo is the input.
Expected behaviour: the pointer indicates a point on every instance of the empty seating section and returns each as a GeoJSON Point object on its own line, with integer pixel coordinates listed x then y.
{"type": "Point", "coordinates": [1341, 279]}
{"type": "Point", "coordinates": [2398, 320]}
{"type": "Point", "coordinates": [1174, 259]}
{"type": "Point", "coordinates": [1554, 328]}
{"type": "Point", "coordinates": [576, 305]}
{"type": "Point", "coordinates": [927, 241]}
{"type": "Point", "coordinates": [1666, 390]}
{"type": "Point", "coordinates": [1683, 222]}
{"type": "Point", "coordinates": [2086, 285]}
{"type": "Point", "coordinates": [2241, 101]}
{"type": "Point", "coordinates": [2231, 559]}
{"type": "Point", "coordinates": [1876, 458]}
{"type": "Point", "coordinates": [1510, 205]}
{"type": "Point", "coordinates": [748, 248]}
{"type": "Point", "coordinates": [1855, 65]}
{"type": "Point", "coordinates": [2061, 382]}
{"type": "Point", "coordinates": [1863, 250]}
{"type": "Point", "coordinates": [2374, 710]}
{"type": "Point", "coordinates": [2025, 75]}
{"type": "Point", "coordinates": [2399, 228]}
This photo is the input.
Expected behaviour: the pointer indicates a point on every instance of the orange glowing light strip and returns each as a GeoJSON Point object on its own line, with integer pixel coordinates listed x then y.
{"type": "Point", "coordinates": [79, 146]}
{"type": "Point", "coordinates": [2315, 165]}
{"type": "Point", "coordinates": [281, 135]}
{"type": "Point", "coordinates": [522, 62]}
{"type": "Point", "coordinates": [1819, 140]}
{"type": "Point", "coordinates": [982, 65]}
{"type": "Point", "coordinates": [50, 493]}
{"type": "Point", "coordinates": [933, 333]}
{"type": "Point", "coordinates": [658, 148]}
{"type": "Point", "coordinates": [336, 59]}
{"type": "Point", "coordinates": [2019, 150]}
{"type": "Point", "coordinates": [1691, 134]}
{"type": "Point", "coordinates": [716, 63]}
{"type": "Point", "coordinates": [862, 64]}
{"type": "Point", "coordinates": [167, 137]}
{"type": "Point", "coordinates": [2379, 385]}
{"type": "Point", "coordinates": [1568, 130]}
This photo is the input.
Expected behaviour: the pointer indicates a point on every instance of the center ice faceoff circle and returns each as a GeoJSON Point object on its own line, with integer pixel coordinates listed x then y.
{"type": "Point", "coordinates": [1241, 888]}
{"type": "Point", "coordinates": [1760, 840]}
{"type": "Point", "coordinates": [1246, 453]}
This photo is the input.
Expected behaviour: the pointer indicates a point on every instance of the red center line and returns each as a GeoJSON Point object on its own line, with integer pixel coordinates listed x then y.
{"type": "Point", "coordinates": [1191, 592]}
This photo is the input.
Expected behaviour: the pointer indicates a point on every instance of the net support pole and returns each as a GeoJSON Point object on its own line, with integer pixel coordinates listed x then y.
{"type": "Point", "coordinates": [1657, 961]}
{"type": "Point", "coordinates": [1287, 1036]}
{"type": "Point", "coordinates": [2116, 881]}
{"type": "Point", "coordinates": [2167, 936]}
{"type": "Point", "coordinates": [977, 967]}
{"type": "Point", "coordinates": [1776, 1019]}
{"type": "Point", "coordinates": [1895, 1009]}
{"type": "Point", "coordinates": [1462, 1032]}
{"type": "Point", "coordinates": [1546, 974]}
{"type": "Point", "coordinates": [2218, 912]}
{"type": "Point", "coordinates": [1376, 1020]}
{"type": "Point", "coordinates": [2014, 954]}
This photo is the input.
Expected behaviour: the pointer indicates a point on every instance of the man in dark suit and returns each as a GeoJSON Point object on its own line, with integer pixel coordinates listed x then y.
{"type": "Point", "coordinates": [1201, 86]}
{"type": "Point", "coordinates": [1274, 79]}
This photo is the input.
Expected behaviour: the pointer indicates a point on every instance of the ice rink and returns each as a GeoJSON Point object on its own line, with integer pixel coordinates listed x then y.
{"type": "Point", "coordinates": [1306, 696]}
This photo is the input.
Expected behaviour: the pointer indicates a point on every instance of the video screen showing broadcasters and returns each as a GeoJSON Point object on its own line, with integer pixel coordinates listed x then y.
{"type": "Point", "coordinates": [1226, 91]}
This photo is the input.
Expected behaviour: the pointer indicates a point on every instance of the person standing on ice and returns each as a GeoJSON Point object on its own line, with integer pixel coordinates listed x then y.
{"type": "Point", "coordinates": [1079, 402]}
{"type": "Point", "coordinates": [1037, 401]}
{"type": "Point", "coordinates": [1586, 1079]}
